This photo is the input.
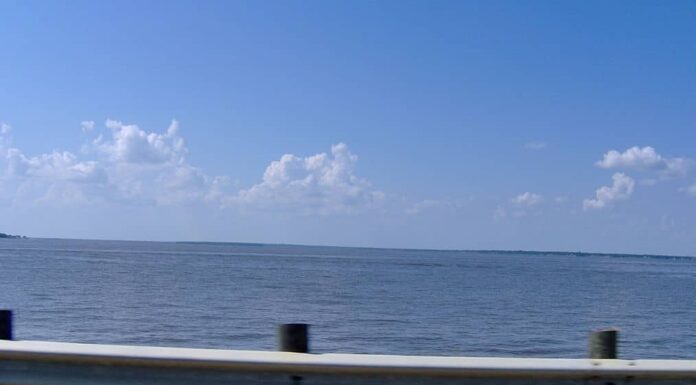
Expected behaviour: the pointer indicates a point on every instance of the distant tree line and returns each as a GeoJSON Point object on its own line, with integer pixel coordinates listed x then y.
{"type": "Point", "coordinates": [3, 235]}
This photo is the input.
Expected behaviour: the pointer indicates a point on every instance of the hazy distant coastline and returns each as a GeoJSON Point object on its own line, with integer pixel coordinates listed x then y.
{"type": "Point", "coordinates": [483, 251]}
{"type": "Point", "coordinates": [3, 235]}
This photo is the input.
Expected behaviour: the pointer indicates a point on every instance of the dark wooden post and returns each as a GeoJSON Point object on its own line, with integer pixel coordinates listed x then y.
{"type": "Point", "coordinates": [5, 324]}
{"type": "Point", "coordinates": [293, 338]}
{"type": "Point", "coordinates": [603, 344]}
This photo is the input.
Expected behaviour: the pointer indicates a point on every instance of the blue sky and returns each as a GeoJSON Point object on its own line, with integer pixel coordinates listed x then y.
{"type": "Point", "coordinates": [537, 125]}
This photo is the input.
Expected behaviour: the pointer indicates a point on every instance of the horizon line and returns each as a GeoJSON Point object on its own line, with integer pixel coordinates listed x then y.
{"type": "Point", "coordinates": [452, 250]}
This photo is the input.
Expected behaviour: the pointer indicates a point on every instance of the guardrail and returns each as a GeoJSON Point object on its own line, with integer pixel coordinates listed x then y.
{"type": "Point", "coordinates": [52, 363]}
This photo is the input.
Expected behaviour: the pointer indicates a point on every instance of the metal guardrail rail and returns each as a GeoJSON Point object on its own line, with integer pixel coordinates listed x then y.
{"type": "Point", "coordinates": [56, 363]}
{"type": "Point", "coordinates": [48, 363]}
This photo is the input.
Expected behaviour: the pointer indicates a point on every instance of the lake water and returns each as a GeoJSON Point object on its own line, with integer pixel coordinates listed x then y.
{"type": "Point", "coordinates": [357, 300]}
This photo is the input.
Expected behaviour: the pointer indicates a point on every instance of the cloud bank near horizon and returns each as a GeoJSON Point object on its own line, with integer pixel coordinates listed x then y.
{"type": "Point", "coordinates": [131, 165]}
{"type": "Point", "coordinates": [123, 163]}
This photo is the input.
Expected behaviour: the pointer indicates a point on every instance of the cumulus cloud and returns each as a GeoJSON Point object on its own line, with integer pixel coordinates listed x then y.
{"type": "Point", "coordinates": [132, 165]}
{"type": "Point", "coordinates": [5, 128]}
{"type": "Point", "coordinates": [634, 157]}
{"type": "Point", "coordinates": [535, 145]}
{"type": "Point", "coordinates": [621, 189]}
{"type": "Point", "coordinates": [645, 159]}
{"type": "Point", "coordinates": [322, 183]}
{"type": "Point", "coordinates": [527, 199]}
{"type": "Point", "coordinates": [129, 144]}
{"type": "Point", "coordinates": [87, 125]}
{"type": "Point", "coordinates": [56, 165]}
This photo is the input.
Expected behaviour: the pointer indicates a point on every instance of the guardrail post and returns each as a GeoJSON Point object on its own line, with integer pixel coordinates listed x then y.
{"type": "Point", "coordinates": [603, 344]}
{"type": "Point", "coordinates": [5, 324]}
{"type": "Point", "coordinates": [293, 338]}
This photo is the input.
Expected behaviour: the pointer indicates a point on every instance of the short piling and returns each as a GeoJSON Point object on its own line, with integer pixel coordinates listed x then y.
{"type": "Point", "coordinates": [603, 344]}
{"type": "Point", "coordinates": [293, 338]}
{"type": "Point", "coordinates": [5, 324]}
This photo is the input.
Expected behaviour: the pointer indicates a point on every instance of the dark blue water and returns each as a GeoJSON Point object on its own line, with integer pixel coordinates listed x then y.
{"type": "Point", "coordinates": [358, 300]}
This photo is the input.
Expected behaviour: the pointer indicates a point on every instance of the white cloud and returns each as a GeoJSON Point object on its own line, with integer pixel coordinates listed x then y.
{"type": "Point", "coordinates": [130, 166]}
{"type": "Point", "coordinates": [87, 125]}
{"type": "Point", "coordinates": [691, 190]}
{"type": "Point", "coordinates": [5, 128]}
{"type": "Point", "coordinates": [129, 144]}
{"type": "Point", "coordinates": [535, 145]}
{"type": "Point", "coordinates": [645, 159]}
{"type": "Point", "coordinates": [634, 157]}
{"type": "Point", "coordinates": [56, 165]}
{"type": "Point", "coordinates": [187, 184]}
{"type": "Point", "coordinates": [527, 199]}
{"type": "Point", "coordinates": [57, 178]}
{"type": "Point", "coordinates": [621, 189]}
{"type": "Point", "coordinates": [320, 183]}
{"type": "Point", "coordinates": [134, 166]}
{"type": "Point", "coordinates": [524, 204]}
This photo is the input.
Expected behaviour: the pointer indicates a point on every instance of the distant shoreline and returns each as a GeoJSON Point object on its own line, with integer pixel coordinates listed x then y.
{"type": "Point", "coordinates": [486, 251]}
{"type": "Point", "coordinates": [10, 236]}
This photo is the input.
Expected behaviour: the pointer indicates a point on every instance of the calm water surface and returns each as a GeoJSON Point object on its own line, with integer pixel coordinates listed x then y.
{"type": "Point", "coordinates": [358, 300]}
